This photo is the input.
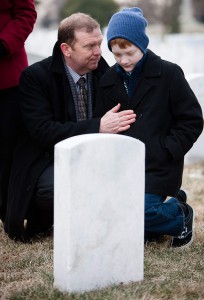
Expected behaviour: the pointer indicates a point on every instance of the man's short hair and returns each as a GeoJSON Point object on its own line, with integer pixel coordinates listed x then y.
{"type": "Point", "coordinates": [77, 21]}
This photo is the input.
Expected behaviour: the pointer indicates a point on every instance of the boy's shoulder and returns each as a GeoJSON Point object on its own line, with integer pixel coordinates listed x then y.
{"type": "Point", "coordinates": [155, 62]}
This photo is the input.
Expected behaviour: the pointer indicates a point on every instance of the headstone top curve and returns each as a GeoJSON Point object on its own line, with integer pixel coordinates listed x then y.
{"type": "Point", "coordinates": [76, 140]}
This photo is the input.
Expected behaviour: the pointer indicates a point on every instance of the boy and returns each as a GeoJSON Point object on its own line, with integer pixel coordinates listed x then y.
{"type": "Point", "coordinates": [169, 121]}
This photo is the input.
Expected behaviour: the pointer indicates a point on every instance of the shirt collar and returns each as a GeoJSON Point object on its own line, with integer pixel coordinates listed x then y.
{"type": "Point", "coordinates": [74, 75]}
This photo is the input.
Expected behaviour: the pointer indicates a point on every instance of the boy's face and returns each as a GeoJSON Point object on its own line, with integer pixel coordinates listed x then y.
{"type": "Point", "coordinates": [127, 58]}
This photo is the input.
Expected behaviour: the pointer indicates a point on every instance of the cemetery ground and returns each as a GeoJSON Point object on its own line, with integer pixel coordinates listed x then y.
{"type": "Point", "coordinates": [26, 270]}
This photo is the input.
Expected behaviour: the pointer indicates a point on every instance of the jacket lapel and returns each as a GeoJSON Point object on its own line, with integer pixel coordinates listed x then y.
{"type": "Point", "coordinates": [152, 70]}
{"type": "Point", "coordinates": [143, 87]}
{"type": "Point", "coordinates": [114, 89]}
{"type": "Point", "coordinates": [117, 94]}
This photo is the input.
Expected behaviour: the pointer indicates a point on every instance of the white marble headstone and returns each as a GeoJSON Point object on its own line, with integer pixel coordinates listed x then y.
{"type": "Point", "coordinates": [196, 82]}
{"type": "Point", "coordinates": [98, 212]}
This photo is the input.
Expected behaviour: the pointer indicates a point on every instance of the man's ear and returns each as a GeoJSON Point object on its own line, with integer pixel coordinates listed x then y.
{"type": "Point", "coordinates": [65, 48]}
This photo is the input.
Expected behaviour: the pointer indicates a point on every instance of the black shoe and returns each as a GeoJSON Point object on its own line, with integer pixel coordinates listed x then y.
{"type": "Point", "coordinates": [182, 196]}
{"type": "Point", "coordinates": [186, 237]}
{"type": "Point", "coordinates": [153, 237]}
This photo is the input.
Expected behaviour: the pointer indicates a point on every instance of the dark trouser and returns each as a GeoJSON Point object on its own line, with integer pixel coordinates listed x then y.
{"type": "Point", "coordinates": [40, 216]}
{"type": "Point", "coordinates": [163, 216]}
{"type": "Point", "coordinates": [10, 129]}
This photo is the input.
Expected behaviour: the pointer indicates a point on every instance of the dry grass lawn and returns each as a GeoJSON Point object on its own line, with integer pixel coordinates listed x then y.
{"type": "Point", "coordinates": [26, 270]}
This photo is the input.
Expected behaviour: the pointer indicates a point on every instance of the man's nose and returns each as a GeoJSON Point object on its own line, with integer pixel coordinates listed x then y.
{"type": "Point", "coordinates": [97, 50]}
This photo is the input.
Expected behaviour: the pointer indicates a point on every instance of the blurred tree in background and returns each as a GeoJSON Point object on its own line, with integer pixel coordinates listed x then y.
{"type": "Point", "coordinates": [163, 12]}
{"type": "Point", "coordinates": [101, 10]}
{"type": "Point", "coordinates": [198, 10]}
{"type": "Point", "coordinates": [170, 15]}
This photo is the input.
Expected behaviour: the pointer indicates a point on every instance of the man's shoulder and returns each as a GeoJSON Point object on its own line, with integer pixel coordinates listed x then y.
{"type": "Point", "coordinates": [42, 64]}
{"type": "Point", "coordinates": [39, 69]}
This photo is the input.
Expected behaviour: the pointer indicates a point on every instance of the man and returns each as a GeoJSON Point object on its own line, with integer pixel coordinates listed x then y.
{"type": "Point", "coordinates": [17, 18]}
{"type": "Point", "coordinates": [55, 107]}
{"type": "Point", "coordinates": [169, 121]}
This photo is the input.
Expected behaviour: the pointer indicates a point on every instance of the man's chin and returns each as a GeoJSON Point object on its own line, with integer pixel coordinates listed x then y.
{"type": "Point", "coordinates": [93, 65]}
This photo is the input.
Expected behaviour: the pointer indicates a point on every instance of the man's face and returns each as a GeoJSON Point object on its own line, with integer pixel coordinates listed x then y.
{"type": "Point", "coordinates": [127, 58]}
{"type": "Point", "coordinates": [84, 54]}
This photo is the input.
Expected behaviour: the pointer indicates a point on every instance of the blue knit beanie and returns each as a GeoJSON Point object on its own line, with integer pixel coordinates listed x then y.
{"type": "Point", "coordinates": [130, 25]}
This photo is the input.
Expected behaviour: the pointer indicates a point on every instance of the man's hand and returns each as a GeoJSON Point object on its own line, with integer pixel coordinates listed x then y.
{"type": "Point", "coordinates": [115, 122]}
